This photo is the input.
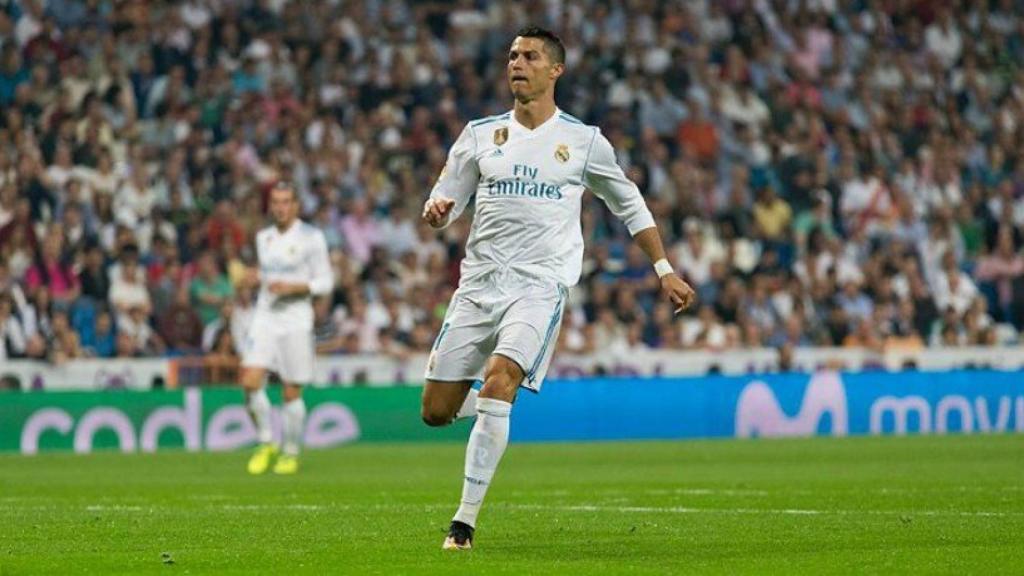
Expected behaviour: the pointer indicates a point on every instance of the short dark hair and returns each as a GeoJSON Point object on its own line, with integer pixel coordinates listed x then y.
{"type": "Point", "coordinates": [552, 43]}
{"type": "Point", "coordinates": [130, 250]}
{"type": "Point", "coordinates": [287, 186]}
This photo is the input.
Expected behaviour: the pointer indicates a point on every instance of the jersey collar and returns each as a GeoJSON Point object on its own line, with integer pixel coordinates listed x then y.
{"type": "Point", "coordinates": [523, 130]}
{"type": "Point", "coordinates": [279, 232]}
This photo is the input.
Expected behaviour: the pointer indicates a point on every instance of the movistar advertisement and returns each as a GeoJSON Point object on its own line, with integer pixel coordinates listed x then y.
{"type": "Point", "coordinates": [827, 404]}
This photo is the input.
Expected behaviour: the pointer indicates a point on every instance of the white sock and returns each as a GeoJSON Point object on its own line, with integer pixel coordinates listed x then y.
{"type": "Point", "coordinates": [487, 443]}
{"type": "Point", "coordinates": [294, 413]}
{"type": "Point", "coordinates": [258, 406]}
{"type": "Point", "coordinates": [468, 409]}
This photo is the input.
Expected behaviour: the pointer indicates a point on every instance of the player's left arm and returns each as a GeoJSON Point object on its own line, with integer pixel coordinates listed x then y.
{"type": "Point", "coordinates": [604, 177]}
{"type": "Point", "coordinates": [321, 278]}
{"type": "Point", "coordinates": [675, 288]}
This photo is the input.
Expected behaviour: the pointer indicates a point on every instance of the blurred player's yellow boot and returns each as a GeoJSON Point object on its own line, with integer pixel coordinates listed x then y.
{"type": "Point", "coordinates": [286, 464]}
{"type": "Point", "coordinates": [261, 458]}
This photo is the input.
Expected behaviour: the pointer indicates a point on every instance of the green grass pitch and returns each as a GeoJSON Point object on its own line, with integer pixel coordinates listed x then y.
{"type": "Point", "coordinates": [862, 505]}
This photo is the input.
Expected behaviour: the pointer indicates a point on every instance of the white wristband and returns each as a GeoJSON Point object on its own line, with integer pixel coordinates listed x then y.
{"type": "Point", "coordinates": [662, 267]}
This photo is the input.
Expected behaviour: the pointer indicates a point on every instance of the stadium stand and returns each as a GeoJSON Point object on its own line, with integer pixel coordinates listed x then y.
{"type": "Point", "coordinates": [827, 173]}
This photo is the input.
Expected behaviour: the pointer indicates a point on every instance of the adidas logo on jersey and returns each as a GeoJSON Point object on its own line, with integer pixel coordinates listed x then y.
{"type": "Point", "coordinates": [497, 153]}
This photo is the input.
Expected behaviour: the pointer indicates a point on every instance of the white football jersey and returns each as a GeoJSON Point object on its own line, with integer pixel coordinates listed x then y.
{"type": "Point", "coordinates": [529, 185]}
{"type": "Point", "coordinates": [297, 255]}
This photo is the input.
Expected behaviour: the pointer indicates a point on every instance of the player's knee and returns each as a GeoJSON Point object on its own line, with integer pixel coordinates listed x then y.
{"type": "Point", "coordinates": [291, 392]}
{"type": "Point", "coordinates": [251, 380]}
{"type": "Point", "coordinates": [502, 381]}
{"type": "Point", "coordinates": [435, 415]}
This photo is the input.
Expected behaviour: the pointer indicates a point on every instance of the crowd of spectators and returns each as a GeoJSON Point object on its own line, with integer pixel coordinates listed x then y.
{"type": "Point", "coordinates": [825, 172]}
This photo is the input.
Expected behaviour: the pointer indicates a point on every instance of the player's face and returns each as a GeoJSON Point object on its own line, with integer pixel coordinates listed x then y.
{"type": "Point", "coordinates": [283, 207]}
{"type": "Point", "coordinates": [531, 72]}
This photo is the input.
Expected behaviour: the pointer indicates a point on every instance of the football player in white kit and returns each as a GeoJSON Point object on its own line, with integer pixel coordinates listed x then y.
{"type": "Point", "coordinates": [528, 169]}
{"type": "Point", "coordinates": [293, 268]}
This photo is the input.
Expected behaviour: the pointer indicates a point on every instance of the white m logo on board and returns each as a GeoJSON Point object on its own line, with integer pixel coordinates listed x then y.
{"type": "Point", "coordinates": [758, 412]}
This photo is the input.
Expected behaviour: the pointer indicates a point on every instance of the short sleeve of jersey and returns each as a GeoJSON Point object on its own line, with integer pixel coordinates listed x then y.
{"type": "Point", "coordinates": [461, 174]}
{"type": "Point", "coordinates": [604, 177]}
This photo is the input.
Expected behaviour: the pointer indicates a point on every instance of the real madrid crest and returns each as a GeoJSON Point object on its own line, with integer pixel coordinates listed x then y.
{"type": "Point", "coordinates": [562, 153]}
{"type": "Point", "coordinates": [500, 136]}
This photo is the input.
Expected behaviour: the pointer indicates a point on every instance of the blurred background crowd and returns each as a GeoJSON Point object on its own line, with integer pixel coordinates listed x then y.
{"type": "Point", "coordinates": [825, 172]}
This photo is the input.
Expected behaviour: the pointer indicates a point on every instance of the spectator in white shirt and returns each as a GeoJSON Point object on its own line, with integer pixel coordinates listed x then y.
{"type": "Point", "coordinates": [743, 106]}
{"type": "Point", "coordinates": [954, 289]}
{"type": "Point", "coordinates": [12, 335]}
{"type": "Point", "coordinates": [942, 38]}
{"type": "Point", "coordinates": [127, 287]}
{"type": "Point", "coordinates": [135, 200]}
{"type": "Point", "coordinates": [694, 256]}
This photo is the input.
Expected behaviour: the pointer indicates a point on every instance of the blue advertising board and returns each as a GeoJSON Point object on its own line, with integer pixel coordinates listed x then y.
{"type": "Point", "coordinates": [823, 404]}
{"type": "Point", "coordinates": [826, 403]}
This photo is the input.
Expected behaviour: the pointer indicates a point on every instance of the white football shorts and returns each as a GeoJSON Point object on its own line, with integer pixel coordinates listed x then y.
{"type": "Point", "coordinates": [289, 352]}
{"type": "Point", "coordinates": [517, 320]}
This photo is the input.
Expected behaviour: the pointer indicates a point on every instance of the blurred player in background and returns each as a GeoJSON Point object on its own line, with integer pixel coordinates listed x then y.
{"type": "Point", "coordinates": [528, 169]}
{"type": "Point", "coordinates": [293, 268]}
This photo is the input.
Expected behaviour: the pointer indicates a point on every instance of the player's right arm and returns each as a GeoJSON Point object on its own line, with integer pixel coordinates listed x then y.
{"type": "Point", "coordinates": [456, 184]}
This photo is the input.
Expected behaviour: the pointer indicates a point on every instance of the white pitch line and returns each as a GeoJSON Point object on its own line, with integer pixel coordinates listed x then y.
{"type": "Point", "coordinates": [298, 507]}
{"type": "Point", "coordinates": [705, 492]}
{"type": "Point", "coordinates": [232, 507]}
{"type": "Point", "coordinates": [759, 511]}
{"type": "Point", "coordinates": [562, 508]}
{"type": "Point", "coordinates": [115, 508]}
